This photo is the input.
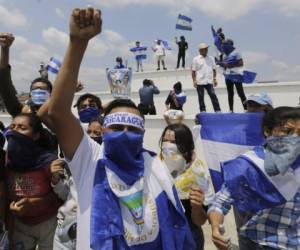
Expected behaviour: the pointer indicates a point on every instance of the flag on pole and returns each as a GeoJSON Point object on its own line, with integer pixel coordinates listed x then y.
{"type": "Point", "coordinates": [217, 39]}
{"type": "Point", "coordinates": [226, 136]}
{"type": "Point", "coordinates": [54, 65]}
{"type": "Point", "coordinates": [184, 23]}
{"type": "Point", "coordinates": [164, 44]}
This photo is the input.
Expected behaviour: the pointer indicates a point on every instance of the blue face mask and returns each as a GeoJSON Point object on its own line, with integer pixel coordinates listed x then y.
{"type": "Point", "coordinates": [39, 96]}
{"type": "Point", "coordinates": [281, 153]}
{"type": "Point", "coordinates": [123, 151]}
{"type": "Point", "coordinates": [86, 115]}
{"type": "Point", "coordinates": [23, 153]}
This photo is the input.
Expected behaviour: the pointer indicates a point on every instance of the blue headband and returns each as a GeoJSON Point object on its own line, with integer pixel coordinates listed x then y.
{"type": "Point", "coordinates": [124, 118]}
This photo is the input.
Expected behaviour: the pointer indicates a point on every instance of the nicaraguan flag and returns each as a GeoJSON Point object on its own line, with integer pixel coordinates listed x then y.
{"type": "Point", "coordinates": [54, 65]}
{"type": "Point", "coordinates": [164, 44]}
{"type": "Point", "coordinates": [252, 188]}
{"type": "Point", "coordinates": [217, 39]}
{"type": "Point", "coordinates": [115, 225]}
{"type": "Point", "coordinates": [140, 52]}
{"type": "Point", "coordinates": [246, 76]}
{"type": "Point", "coordinates": [226, 136]}
{"type": "Point", "coordinates": [184, 23]}
{"type": "Point", "coordinates": [181, 98]}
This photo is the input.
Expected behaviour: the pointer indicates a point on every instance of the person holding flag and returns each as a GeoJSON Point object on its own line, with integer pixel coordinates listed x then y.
{"type": "Point", "coordinates": [265, 181]}
{"type": "Point", "coordinates": [182, 47]}
{"type": "Point", "coordinates": [140, 55]}
{"type": "Point", "coordinates": [126, 198]}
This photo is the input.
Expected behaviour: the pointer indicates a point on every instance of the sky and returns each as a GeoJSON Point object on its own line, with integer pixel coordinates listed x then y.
{"type": "Point", "coordinates": [266, 32]}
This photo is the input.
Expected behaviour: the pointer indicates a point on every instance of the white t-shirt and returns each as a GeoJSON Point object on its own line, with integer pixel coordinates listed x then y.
{"type": "Point", "coordinates": [83, 168]}
{"type": "Point", "coordinates": [159, 50]}
{"type": "Point", "coordinates": [204, 66]}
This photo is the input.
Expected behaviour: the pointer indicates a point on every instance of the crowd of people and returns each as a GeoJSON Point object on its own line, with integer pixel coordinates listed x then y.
{"type": "Point", "coordinates": [88, 182]}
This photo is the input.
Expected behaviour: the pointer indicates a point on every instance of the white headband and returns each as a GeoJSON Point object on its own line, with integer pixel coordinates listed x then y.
{"type": "Point", "coordinates": [124, 118]}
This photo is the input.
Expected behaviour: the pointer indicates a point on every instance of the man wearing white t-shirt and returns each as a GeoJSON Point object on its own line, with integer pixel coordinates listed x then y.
{"type": "Point", "coordinates": [160, 54]}
{"type": "Point", "coordinates": [126, 197]}
{"type": "Point", "coordinates": [204, 77]}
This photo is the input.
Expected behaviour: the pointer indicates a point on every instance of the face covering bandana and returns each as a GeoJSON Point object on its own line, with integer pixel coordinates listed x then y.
{"type": "Point", "coordinates": [281, 153]}
{"type": "Point", "coordinates": [86, 115]}
{"type": "Point", "coordinates": [173, 158]}
{"type": "Point", "coordinates": [123, 155]}
{"type": "Point", "coordinates": [24, 154]}
{"type": "Point", "coordinates": [39, 96]}
{"type": "Point", "coordinates": [97, 139]}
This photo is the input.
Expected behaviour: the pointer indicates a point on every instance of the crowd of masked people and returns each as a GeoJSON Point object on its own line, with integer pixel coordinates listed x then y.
{"type": "Point", "coordinates": [88, 182]}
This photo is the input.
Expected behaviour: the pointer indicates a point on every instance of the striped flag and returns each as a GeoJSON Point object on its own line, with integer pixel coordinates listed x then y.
{"type": "Point", "coordinates": [54, 65]}
{"type": "Point", "coordinates": [226, 136]}
{"type": "Point", "coordinates": [184, 23]}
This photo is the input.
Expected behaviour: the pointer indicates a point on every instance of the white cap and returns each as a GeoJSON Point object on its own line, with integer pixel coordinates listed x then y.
{"type": "Point", "coordinates": [203, 46]}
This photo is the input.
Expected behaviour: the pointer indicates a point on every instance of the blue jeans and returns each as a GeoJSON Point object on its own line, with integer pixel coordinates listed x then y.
{"type": "Point", "coordinates": [213, 97]}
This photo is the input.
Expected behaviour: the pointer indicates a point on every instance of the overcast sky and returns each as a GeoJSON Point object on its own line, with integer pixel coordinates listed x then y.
{"type": "Point", "coordinates": [266, 32]}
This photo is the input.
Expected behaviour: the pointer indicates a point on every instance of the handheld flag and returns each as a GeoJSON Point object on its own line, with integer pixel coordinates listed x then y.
{"type": "Point", "coordinates": [54, 65]}
{"type": "Point", "coordinates": [226, 136]}
{"type": "Point", "coordinates": [140, 52]}
{"type": "Point", "coordinates": [184, 23]}
{"type": "Point", "coordinates": [217, 39]}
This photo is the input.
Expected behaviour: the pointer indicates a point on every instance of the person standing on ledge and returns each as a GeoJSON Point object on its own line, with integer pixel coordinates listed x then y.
{"type": "Point", "coordinates": [182, 47]}
{"type": "Point", "coordinates": [160, 53]}
{"type": "Point", "coordinates": [204, 77]}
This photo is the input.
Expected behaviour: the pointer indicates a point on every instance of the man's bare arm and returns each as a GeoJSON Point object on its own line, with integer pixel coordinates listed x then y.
{"type": "Point", "coordinates": [84, 25]}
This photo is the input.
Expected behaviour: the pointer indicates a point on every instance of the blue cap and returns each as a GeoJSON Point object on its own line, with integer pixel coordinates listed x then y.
{"type": "Point", "coordinates": [261, 98]}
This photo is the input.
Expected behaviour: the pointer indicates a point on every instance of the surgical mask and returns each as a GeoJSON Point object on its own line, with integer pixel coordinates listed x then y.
{"type": "Point", "coordinates": [281, 153]}
{"type": "Point", "coordinates": [173, 158]}
{"type": "Point", "coordinates": [124, 152]}
{"type": "Point", "coordinates": [86, 115]}
{"type": "Point", "coordinates": [39, 96]}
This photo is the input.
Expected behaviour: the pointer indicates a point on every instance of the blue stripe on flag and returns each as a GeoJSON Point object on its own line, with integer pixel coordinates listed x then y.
{"type": "Point", "coordinates": [181, 27]}
{"type": "Point", "coordinates": [54, 65]}
{"type": "Point", "coordinates": [138, 49]}
{"type": "Point", "coordinates": [185, 18]}
{"type": "Point", "coordinates": [240, 129]}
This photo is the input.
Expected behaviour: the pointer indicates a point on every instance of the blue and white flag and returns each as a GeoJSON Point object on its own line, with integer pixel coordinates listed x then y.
{"type": "Point", "coordinates": [164, 44]}
{"type": "Point", "coordinates": [245, 76]}
{"type": "Point", "coordinates": [184, 23]}
{"type": "Point", "coordinates": [143, 216]}
{"type": "Point", "coordinates": [54, 65]}
{"type": "Point", "coordinates": [226, 136]}
{"type": "Point", "coordinates": [181, 98]}
{"type": "Point", "coordinates": [252, 188]}
{"type": "Point", "coordinates": [140, 52]}
{"type": "Point", "coordinates": [217, 39]}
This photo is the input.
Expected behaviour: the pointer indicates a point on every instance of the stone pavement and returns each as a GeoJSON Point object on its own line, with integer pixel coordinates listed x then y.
{"type": "Point", "coordinates": [230, 230]}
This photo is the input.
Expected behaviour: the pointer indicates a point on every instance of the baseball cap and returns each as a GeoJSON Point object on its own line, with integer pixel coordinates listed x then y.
{"type": "Point", "coordinates": [261, 98]}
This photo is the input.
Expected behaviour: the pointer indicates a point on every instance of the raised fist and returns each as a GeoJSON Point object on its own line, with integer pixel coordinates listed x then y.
{"type": "Point", "coordinates": [6, 40]}
{"type": "Point", "coordinates": [85, 23]}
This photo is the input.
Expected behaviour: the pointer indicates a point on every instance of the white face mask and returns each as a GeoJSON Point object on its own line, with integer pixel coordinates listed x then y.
{"type": "Point", "coordinates": [173, 158]}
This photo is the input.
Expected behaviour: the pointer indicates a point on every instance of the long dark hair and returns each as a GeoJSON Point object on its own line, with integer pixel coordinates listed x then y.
{"type": "Point", "coordinates": [183, 139]}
